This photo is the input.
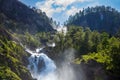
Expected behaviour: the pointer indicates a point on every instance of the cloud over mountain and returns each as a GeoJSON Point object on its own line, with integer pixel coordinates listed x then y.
{"type": "Point", "coordinates": [58, 6]}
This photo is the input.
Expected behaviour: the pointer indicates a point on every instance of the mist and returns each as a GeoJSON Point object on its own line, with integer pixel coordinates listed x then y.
{"type": "Point", "coordinates": [42, 67]}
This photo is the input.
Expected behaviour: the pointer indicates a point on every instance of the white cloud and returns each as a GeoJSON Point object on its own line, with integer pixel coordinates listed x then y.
{"type": "Point", "coordinates": [73, 10]}
{"type": "Point", "coordinates": [47, 6]}
{"type": "Point", "coordinates": [65, 3]}
{"type": "Point", "coordinates": [59, 9]}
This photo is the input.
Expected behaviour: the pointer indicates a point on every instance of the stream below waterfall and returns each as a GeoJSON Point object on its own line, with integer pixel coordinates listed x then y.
{"type": "Point", "coordinates": [42, 67]}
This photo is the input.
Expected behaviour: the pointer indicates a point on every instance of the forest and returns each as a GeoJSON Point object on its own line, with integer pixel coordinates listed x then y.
{"type": "Point", "coordinates": [93, 36]}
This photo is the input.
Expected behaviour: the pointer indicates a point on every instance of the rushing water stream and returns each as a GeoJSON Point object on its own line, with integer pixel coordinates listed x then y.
{"type": "Point", "coordinates": [40, 65]}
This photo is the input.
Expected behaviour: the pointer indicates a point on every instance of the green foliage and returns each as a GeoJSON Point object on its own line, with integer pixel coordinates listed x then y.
{"type": "Point", "coordinates": [101, 18]}
{"type": "Point", "coordinates": [13, 57]}
{"type": "Point", "coordinates": [28, 39]}
{"type": "Point", "coordinates": [12, 60]}
{"type": "Point", "coordinates": [91, 45]}
{"type": "Point", "coordinates": [34, 40]}
{"type": "Point", "coordinates": [6, 73]}
{"type": "Point", "coordinates": [77, 38]}
{"type": "Point", "coordinates": [100, 57]}
{"type": "Point", "coordinates": [108, 54]}
{"type": "Point", "coordinates": [43, 36]}
{"type": "Point", "coordinates": [35, 22]}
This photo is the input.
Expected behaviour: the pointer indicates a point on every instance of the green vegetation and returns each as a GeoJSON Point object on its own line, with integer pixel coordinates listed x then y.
{"type": "Point", "coordinates": [6, 73]}
{"type": "Point", "coordinates": [101, 46]}
{"type": "Point", "coordinates": [21, 18]}
{"type": "Point", "coordinates": [107, 54]}
{"type": "Point", "coordinates": [13, 59]}
{"type": "Point", "coordinates": [91, 45]}
{"type": "Point", "coordinates": [34, 40]}
{"type": "Point", "coordinates": [100, 18]}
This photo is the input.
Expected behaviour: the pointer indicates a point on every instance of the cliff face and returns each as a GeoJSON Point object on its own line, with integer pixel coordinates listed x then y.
{"type": "Point", "coordinates": [19, 17]}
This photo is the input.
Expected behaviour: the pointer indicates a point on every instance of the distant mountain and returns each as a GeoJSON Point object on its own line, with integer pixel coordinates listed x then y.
{"type": "Point", "coordinates": [99, 18]}
{"type": "Point", "coordinates": [17, 17]}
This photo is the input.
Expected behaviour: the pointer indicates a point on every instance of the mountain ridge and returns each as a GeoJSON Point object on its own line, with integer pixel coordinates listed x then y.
{"type": "Point", "coordinates": [19, 18]}
{"type": "Point", "coordinates": [100, 18]}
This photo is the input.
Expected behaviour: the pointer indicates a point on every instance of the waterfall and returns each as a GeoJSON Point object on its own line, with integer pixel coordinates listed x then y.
{"type": "Point", "coordinates": [40, 65]}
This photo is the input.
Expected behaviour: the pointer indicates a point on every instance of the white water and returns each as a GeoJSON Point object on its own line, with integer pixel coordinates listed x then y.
{"type": "Point", "coordinates": [42, 67]}
{"type": "Point", "coordinates": [51, 45]}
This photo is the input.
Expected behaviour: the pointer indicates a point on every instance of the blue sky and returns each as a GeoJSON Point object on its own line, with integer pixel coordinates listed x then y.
{"type": "Point", "coordinates": [60, 10]}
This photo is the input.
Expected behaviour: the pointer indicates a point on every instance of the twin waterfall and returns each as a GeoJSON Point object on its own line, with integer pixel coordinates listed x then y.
{"type": "Point", "coordinates": [41, 66]}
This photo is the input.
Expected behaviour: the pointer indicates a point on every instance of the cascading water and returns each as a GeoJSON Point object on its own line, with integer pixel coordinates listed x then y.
{"type": "Point", "coordinates": [40, 65]}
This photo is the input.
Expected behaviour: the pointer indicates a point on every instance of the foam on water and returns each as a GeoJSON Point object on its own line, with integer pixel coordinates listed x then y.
{"type": "Point", "coordinates": [40, 65]}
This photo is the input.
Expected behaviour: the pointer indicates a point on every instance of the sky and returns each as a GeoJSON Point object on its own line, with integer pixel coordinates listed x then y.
{"type": "Point", "coordinates": [60, 10]}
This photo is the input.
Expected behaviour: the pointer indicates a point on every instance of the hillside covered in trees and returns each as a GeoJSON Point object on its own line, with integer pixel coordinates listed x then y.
{"type": "Point", "coordinates": [100, 18]}
{"type": "Point", "coordinates": [93, 34]}
{"type": "Point", "coordinates": [17, 17]}
{"type": "Point", "coordinates": [13, 58]}
{"type": "Point", "coordinates": [90, 47]}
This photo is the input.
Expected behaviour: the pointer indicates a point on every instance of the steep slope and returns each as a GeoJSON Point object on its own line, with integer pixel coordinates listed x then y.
{"type": "Point", "coordinates": [16, 17]}
{"type": "Point", "coordinates": [99, 18]}
{"type": "Point", "coordinates": [19, 18]}
{"type": "Point", "coordinates": [13, 58]}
